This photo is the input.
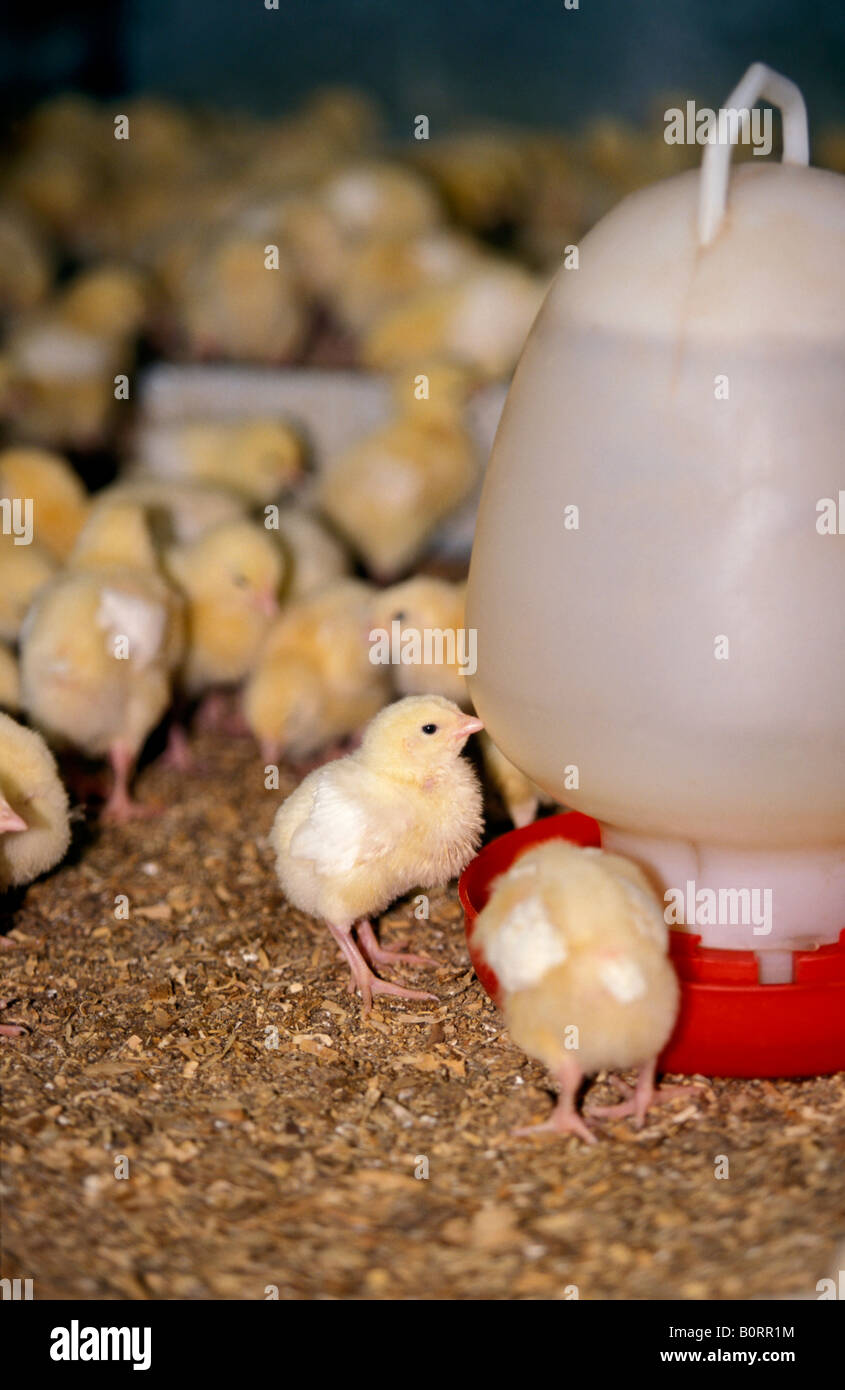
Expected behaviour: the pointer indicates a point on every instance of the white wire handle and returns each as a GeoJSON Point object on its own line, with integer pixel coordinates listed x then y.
{"type": "Point", "coordinates": [759, 81]}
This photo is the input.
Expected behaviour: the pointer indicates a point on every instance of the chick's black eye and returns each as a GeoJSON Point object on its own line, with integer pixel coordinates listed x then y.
{"type": "Point", "coordinates": [429, 728]}
{"type": "Point", "coordinates": [399, 617]}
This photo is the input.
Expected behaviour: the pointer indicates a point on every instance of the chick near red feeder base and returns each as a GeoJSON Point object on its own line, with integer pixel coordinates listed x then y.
{"type": "Point", "coordinates": [402, 811]}
{"type": "Point", "coordinates": [578, 942]}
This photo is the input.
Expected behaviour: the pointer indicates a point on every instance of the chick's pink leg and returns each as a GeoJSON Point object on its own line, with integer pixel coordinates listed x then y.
{"type": "Point", "coordinates": [363, 978]}
{"type": "Point", "coordinates": [120, 806]}
{"type": "Point", "coordinates": [383, 955]}
{"type": "Point", "coordinates": [564, 1119]}
{"type": "Point", "coordinates": [640, 1100]}
{"type": "Point", "coordinates": [178, 754]}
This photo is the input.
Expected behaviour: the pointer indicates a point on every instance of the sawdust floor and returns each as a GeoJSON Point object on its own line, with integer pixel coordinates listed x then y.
{"type": "Point", "coordinates": [295, 1166]}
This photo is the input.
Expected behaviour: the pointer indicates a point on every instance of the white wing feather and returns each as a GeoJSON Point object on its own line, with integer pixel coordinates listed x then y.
{"type": "Point", "coordinates": [338, 834]}
{"type": "Point", "coordinates": [138, 619]}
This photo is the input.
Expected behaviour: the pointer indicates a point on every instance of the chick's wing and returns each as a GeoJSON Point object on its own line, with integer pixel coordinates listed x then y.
{"type": "Point", "coordinates": [345, 828]}
{"type": "Point", "coordinates": [138, 619]}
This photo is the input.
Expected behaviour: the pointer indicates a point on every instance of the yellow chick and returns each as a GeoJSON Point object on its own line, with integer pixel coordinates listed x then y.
{"type": "Point", "coordinates": [109, 300]}
{"type": "Point", "coordinates": [380, 273]}
{"type": "Point", "coordinates": [402, 811]}
{"type": "Point", "coordinates": [34, 822]}
{"type": "Point", "coordinates": [99, 647]}
{"type": "Point", "coordinates": [255, 458]}
{"type": "Point", "coordinates": [577, 941]}
{"type": "Point", "coordinates": [64, 358]}
{"type": "Point", "coordinates": [314, 683]}
{"type": "Point", "coordinates": [388, 493]}
{"type": "Point", "coordinates": [482, 318]}
{"type": "Point", "coordinates": [10, 680]}
{"type": "Point", "coordinates": [484, 176]}
{"type": "Point", "coordinates": [350, 116]}
{"type": "Point", "coordinates": [233, 303]}
{"type": "Point", "coordinates": [522, 797]}
{"type": "Point", "coordinates": [25, 265]}
{"type": "Point", "coordinates": [230, 577]}
{"type": "Point", "coordinates": [316, 558]}
{"type": "Point", "coordinates": [380, 200]}
{"type": "Point", "coordinates": [24, 571]}
{"type": "Point", "coordinates": [421, 623]}
{"type": "Point", "coordinates": [59, 499]}
{"type": "Point", "coordinates": [176, 511]}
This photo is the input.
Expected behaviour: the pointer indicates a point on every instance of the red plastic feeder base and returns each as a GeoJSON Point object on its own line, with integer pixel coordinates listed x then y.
{"type": "Point", "coordinates": [728, 1024]}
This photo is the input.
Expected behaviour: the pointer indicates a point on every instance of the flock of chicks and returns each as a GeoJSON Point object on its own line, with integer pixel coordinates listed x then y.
{"type": "Point", "coordinates": [129, 629]}
{"type": "Point", "coordinates": [218, 562]}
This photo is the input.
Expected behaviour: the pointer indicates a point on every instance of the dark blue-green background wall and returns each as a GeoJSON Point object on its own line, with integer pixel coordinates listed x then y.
{"type": "Point", "coordinates": [453, 59]}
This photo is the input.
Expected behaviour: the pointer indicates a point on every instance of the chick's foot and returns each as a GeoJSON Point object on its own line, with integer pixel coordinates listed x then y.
{"type": "Point", "coordinates": [11, 1030]}
{"type": "Point", "coordinates": [377, 954]}
{"type": "Point", "coordinates": [178, 755]}
{"type": "Point", "coordinates": [120, 807]}
{"type": "Point", "coordinates": [364, 979]}
{"type": "Point", "coordinates": [640, 1098]}
{"type": "Point", "coordinates": [564, 1119]}
{"type": "Point", "coordinates": [217, 714]}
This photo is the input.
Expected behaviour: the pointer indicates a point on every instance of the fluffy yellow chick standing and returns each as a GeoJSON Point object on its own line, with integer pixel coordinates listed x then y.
{"type": "Point", "coordinates": [230, 578]}
{"type": "Point", "coordinates": [255, 458]}
{"type": "Point", "coordinates": [314, 683]}
{"type": "Point", "coordinates": [402, 811]}
{"type": "Point", "coordinates": [59, 498]}
{"type": "Point", "coordinates": [99, 647]}
{"type": "Point", "coordinates": [578, 943]}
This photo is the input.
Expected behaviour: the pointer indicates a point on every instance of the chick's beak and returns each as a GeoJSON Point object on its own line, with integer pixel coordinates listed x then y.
{"type": "Point", "coordinates": [9, 819]}
{"type": "Point", "coordinates": [267, 603]}
{"type": "Point", "coordinates": [466, 727]}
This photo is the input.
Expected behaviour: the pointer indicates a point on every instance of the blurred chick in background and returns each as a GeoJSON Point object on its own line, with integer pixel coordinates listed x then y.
{"type": "Point", "coordinates": [577, 940]}
{"type": "Point", "coordinates": [387, 494]}
{"type": "Point", "coordinates": [10, 680]}
{"type": "Point", "coordinates": [482, 318]}
{"type": "Point", "coordinates": [230, 304]}
{"type": "Point", "coordinates": [313, 684]}
{"type": "Point", "coordinates": [315, 557]}
{"type": "Point", "coordinates": [59, 499]}
{"type": "Point", "coordinates": [522, 797]}
{"type": "Point", "coordinates": [381, 273]}
{"type": "Point", "coordinates": [255, 458]}
{"type": "Point", "coordinates": [230, 578]}
{"type": "Point", "coordinates": [26, 268]}
{"type": "Point", "coordinates": [99, 648]}
{"type": "Point", "coordinates": [63, 359]}
{"type": "Point", "coordinates": [176, 511]}
{"type": "Point", "coordinates": [402, 811]}
{"type": "Point", "coordinates": [417, 606]}
{"type": "Point", "coordinates": [24, 571]}
{"type": "Point", "coordinates": [34, 819]}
